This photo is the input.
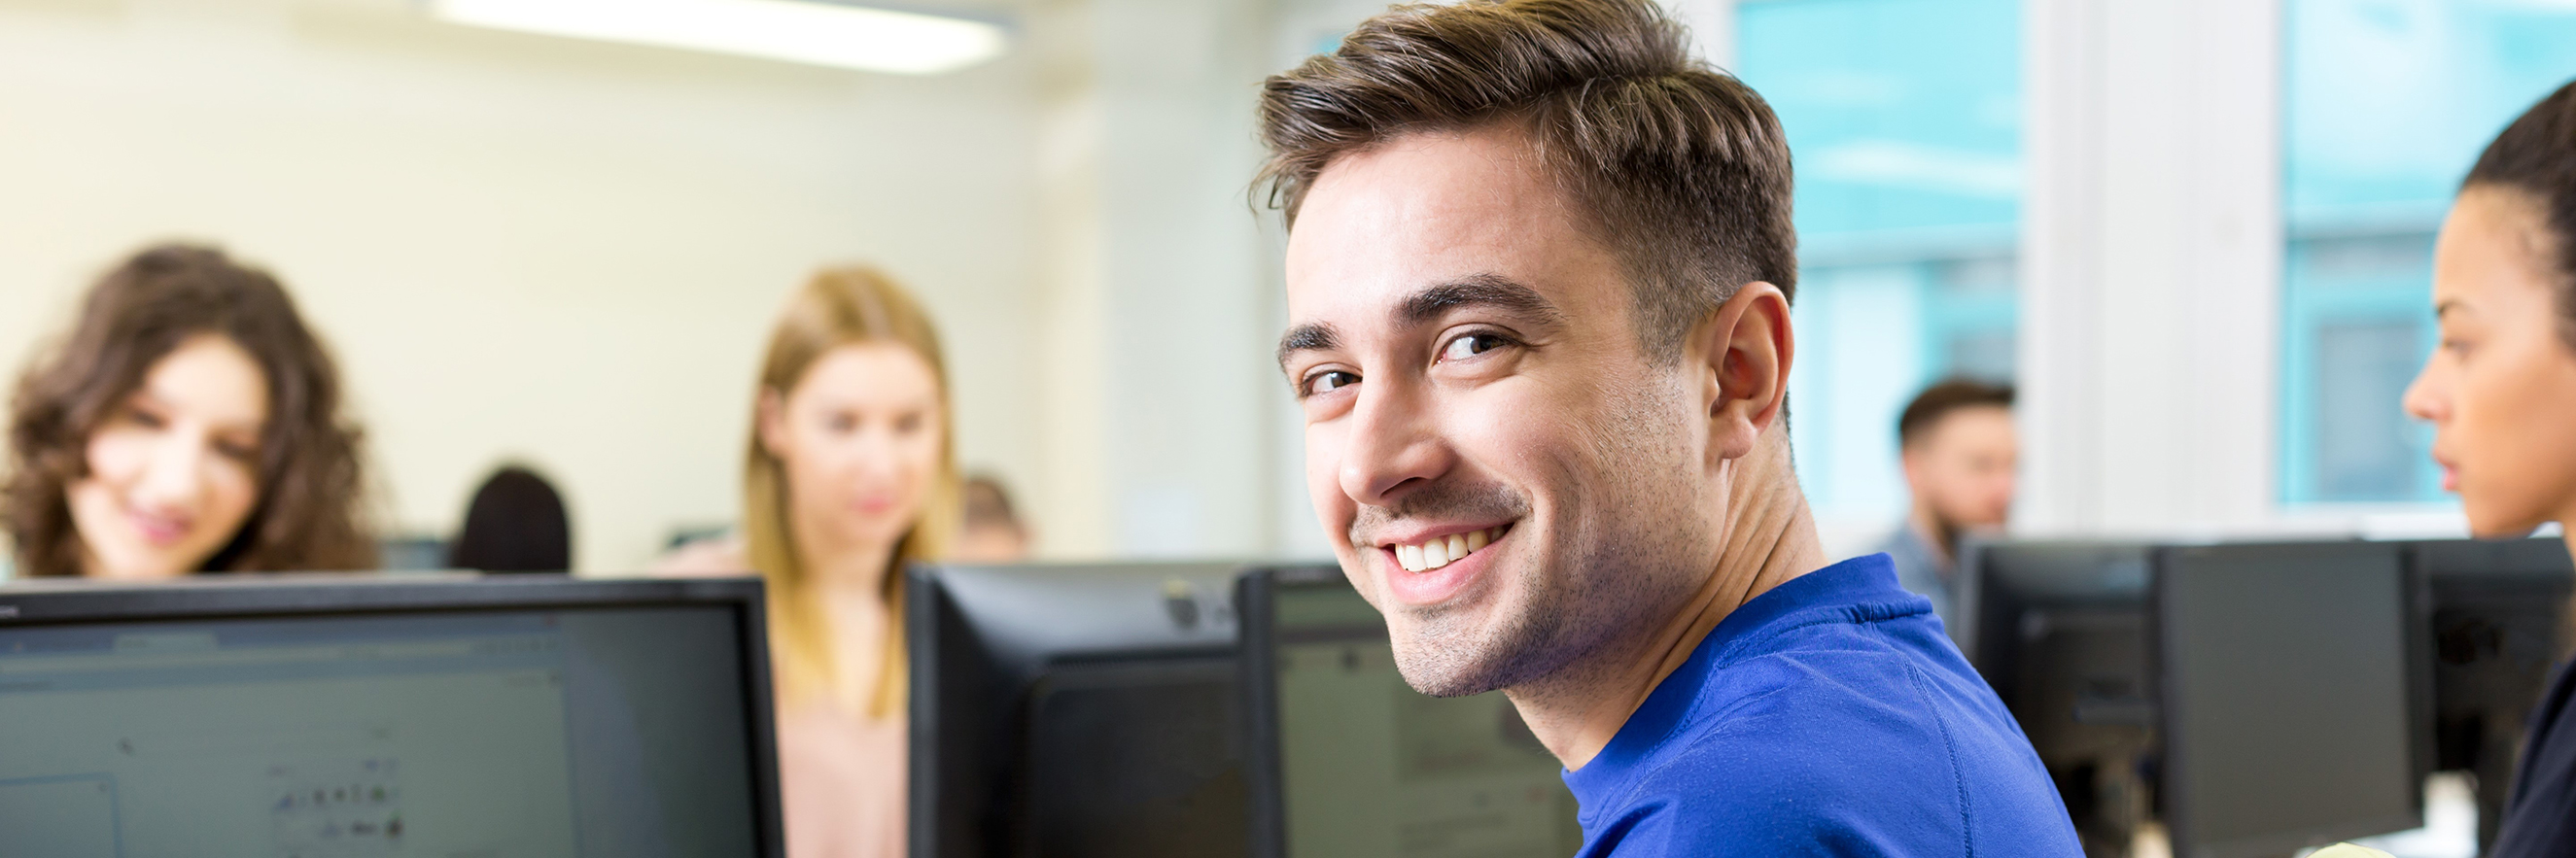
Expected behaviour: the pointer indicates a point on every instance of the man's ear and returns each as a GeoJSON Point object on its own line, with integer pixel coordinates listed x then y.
{"type": "Point", "coordinates": [1743, 352]}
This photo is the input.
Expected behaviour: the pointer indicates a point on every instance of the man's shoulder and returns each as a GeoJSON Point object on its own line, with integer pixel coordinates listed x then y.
{"type": "Point", "coordinates": [1824, 711]}
{"type": "Point", "coordinates": [1837, 743]}
{"type": "Point", "coordinates": [1774, 778]}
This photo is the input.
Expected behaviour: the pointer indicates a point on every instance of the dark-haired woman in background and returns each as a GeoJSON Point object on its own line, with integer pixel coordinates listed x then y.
{"type": "Point", "coordinates": [2501, 394]}
{"type": "Point", "coordinates": [189, 422]}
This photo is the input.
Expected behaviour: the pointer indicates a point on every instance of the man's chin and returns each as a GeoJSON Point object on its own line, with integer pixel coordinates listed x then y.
{"type": "Point", "coordinates": [1441, 681]}
{"type": "Point", "coordinates": [1446, 663]}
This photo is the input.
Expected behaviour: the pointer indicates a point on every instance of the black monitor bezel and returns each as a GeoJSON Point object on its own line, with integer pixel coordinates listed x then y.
{"type": "Point", "coordinates": [1256, 601]}
{"type": "Point", "coordinates": [41, 603]}
{"type": "Point", "coordinates": [1977, 596]}
{"type": "Point", "coordinates": [2417, 645]}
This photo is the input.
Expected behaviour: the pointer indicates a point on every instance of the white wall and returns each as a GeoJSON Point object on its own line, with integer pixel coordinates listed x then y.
{"type": "Point", "coordinates": [522, 247]}
{"type": "Point", "coordinates": [1156, 377]}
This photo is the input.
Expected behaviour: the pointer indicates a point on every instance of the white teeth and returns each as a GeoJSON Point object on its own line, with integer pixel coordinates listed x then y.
{"type": "Point", "coordinates": [1443, 550]}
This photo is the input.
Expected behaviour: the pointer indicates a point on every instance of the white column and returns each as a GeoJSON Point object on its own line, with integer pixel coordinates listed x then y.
{"type": "Point", "coordinates": [1712, 26]}
{"type": "Point", "coordinates": [1156, 319]}
{"type": "Point", "coordinates": [2151, 265]}
{"type": "Point", "coordinates": [1072, 356]}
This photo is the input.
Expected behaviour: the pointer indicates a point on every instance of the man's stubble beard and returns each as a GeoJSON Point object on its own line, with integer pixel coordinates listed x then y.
{"type": "Point", "coordinates": [1626, 561]}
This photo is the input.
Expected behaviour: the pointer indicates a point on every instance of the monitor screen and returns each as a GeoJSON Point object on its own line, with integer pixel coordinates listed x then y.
{"type": "Point", "coordinates": [2291, 712]}
{"type": "Point", "coordinates": [607, 731]}
{"type": "Point", "coordinates": [1368, 768]}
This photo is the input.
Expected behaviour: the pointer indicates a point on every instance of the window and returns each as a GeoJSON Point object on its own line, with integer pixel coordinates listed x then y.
{"type": "Point", "coordinates": [2388, 102]}
{"type": "Point", "coordinates": [1905, 120]}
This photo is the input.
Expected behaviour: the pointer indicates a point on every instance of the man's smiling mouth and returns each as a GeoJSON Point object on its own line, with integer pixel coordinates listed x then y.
{"type": "Point", "coordinates": [1441, 551]}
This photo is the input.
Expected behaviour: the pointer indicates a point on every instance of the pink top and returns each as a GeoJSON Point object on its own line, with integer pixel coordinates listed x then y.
{"type": "Point", "coordinates": [841, 776]}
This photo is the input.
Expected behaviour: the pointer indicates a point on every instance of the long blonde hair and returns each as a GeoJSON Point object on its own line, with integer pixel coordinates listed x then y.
{"type": "Point", "coordinates": [840, 306]}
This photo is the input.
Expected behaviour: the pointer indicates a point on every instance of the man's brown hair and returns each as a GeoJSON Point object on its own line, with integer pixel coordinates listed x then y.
{"type": "Point", "coordinates": [1681, 168]}
{"type": "Point", "coordinates": [1943, 399]}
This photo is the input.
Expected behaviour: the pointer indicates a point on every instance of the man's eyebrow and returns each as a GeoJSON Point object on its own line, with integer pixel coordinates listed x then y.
{"type": "Point", "coordinates": [1486, 290]}
{"type": "Point", "coordinates": [2444, 308]}
{"type": "Point", "coordinates": [1309, 337]}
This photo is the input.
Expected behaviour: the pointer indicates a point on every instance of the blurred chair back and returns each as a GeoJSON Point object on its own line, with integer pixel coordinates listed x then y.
{"type": "Point", "coordinates": [516, 523]}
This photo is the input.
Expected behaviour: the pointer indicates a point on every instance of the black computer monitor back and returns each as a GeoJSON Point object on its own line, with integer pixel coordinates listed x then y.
{"type": "Point", "coordinates": [312, 715]}
{"type": "Point", "coordinates": [2295, 697]}
{"type": "Point", "coordinates": [2058, 628]}
{"type": "Point", "coordinates": [2499, 614]}
{"type": "Point", "coordinates": [1060, 711]}
{"type": "Point", "coordinates": [1347, 761]}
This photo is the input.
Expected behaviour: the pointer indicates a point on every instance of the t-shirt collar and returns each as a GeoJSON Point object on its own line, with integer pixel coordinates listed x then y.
{"type": "Point", "coordinates": [1865, 580]}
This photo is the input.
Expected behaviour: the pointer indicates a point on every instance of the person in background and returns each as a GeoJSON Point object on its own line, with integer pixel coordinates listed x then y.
{"type": "Point", "coordinates": [994, 532]}
{"type": "Point", "coordinates": [2500, 391]}
{"type": "Point", "coordinates": [190, 422]}
{"type": "Point", "coordinates": [849, 475]}
{"type": "Point", "coordinates": [1960, 453]}
{"type": "Point", "coordinates": [515, 523]}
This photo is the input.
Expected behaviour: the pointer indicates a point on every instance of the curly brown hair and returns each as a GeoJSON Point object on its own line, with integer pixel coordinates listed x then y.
{"type": "Point", "coordinates": [309, 512]}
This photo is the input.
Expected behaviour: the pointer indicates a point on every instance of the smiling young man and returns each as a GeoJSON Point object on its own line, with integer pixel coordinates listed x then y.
{"type": "Point", "coordinates": [1539, 271]}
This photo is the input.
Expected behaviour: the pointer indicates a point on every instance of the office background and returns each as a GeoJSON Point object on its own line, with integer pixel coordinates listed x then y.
{"type": "Point", "coordinates": [2196, 233]}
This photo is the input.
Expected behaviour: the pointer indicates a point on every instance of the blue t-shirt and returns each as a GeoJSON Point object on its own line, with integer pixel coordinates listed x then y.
{"type": "Point", "coordinates": [1829, 716]}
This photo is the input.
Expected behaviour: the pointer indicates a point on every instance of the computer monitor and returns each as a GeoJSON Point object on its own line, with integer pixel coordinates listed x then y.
{"type": "Point", "coordinates": [2499, 610]}
{"type": "Point", "coordinates": [2296, 694]}
{"type": "Point", "coordinates": [315, 717]}
{"type": "Point", "coordinates": [1066, 711]}
{"type": "Point", "coordinates": [2059, 630]}
{"type": "Point", "coordinates": [1349, 762]}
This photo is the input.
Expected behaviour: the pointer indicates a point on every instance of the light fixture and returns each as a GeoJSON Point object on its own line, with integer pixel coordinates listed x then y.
{"type": "Point", "coordinates": [801, 31]}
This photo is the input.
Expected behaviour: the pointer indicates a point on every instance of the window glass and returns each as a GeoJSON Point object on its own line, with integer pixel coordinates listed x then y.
{"type": "Point", "coordinates": [2387, 104]}
{"type": "Point", "coordinates": [1904, 117]}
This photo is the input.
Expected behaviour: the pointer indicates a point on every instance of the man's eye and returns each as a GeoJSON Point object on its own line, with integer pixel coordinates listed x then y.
{"type": "Point", "coordinates": [1471, 345]}
{"type": "Point", "coordinates": [1328, 381]}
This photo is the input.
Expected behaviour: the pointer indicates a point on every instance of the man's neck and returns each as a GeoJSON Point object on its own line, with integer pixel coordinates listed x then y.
{"type": "Point", "coordinates": [1928, 526]}
{"type": "Point", "coordinates": [1770, 538]}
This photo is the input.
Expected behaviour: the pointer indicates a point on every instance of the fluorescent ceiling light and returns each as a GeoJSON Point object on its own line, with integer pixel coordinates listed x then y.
{"type": "Point", "coordinates": [800, 31]}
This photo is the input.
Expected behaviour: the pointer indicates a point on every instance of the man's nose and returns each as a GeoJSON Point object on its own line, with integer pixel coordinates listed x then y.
{"type": "Point", "coordinates": [1393, 447]}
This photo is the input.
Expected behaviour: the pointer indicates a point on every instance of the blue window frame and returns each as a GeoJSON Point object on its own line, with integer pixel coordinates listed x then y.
{"type": "Point", "coordinates": [2387, 104]}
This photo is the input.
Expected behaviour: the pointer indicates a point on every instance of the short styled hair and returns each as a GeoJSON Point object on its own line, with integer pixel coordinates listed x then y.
{"type": "Point", "coordinates": [2536, 156]}
{"type": "Point", "coordinates": [1942, 400]}
{"type": "Point", "coordinates": [1682, 169]}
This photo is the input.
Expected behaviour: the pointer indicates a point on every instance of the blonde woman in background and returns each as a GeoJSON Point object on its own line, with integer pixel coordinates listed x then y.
{"type": "Point", "coordinates": [850, 474]}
